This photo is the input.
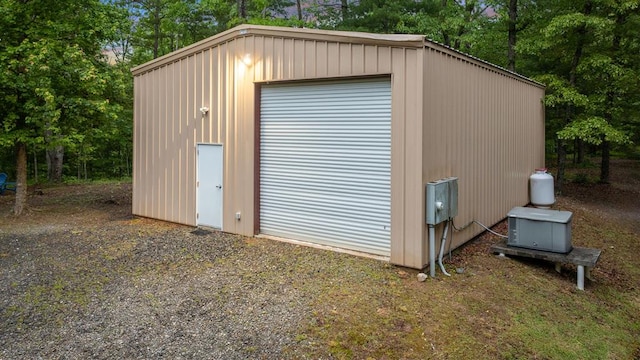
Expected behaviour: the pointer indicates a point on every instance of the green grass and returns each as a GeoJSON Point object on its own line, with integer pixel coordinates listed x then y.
{"type": "Point", "coordinates": [499, 308]}
{"type": "Point", "coordinates": [72, 180]}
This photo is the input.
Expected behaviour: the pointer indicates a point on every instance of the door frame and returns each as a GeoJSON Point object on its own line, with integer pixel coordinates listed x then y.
{"type": "Point", "coordinates": [197, 146]}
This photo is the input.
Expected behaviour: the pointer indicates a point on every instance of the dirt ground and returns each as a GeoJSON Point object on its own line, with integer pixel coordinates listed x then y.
{"type": "Point", "coordinates": [83, 278]}
{"type": "Point", "coordinates": [619, 200]}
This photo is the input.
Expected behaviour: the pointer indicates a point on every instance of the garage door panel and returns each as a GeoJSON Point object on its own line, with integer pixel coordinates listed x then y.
{"type": "Point", "coordinates": [340, 155]}
{"type": "Point", "coordinates": [340, 96]}
{"type": "Point", "coordinates": [325, 159]}
{"type": "Point", "coordinates": [337, 189]}
{"type": "Point", "coordinates": [331, 205]}
{"type": "Point", "coordinates": [310, 220]}
{"type": "Point", "coordinates": [309, 230]}
{"type": "Point", "coordinates": [369, 176]}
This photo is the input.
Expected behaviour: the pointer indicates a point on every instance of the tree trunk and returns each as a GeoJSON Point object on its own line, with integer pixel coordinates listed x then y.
{"type": "Point", "coordinates": [562, 160]}
{"type": "Point", "coordinates": [608, 115]}
{"type": "Point", "coordinates": [445, 38]}
{"type": "Point", "coordinates": [445, 35]}
{"type": "Point", "coordinates": [577, 56]}
{"type": "Point", "coordinates": [580, 150]}
{"type": "Point", "coordinates": [156, 31]}
{"type": "Point", "coordinates": [55, 157]}
{"type": "Point", "coordinates": [299, 8]}
{"type": "Point", "coordinates": [127, 164]}
{"type": "Point", "coordinates": [35, 165]}
{"type": "Point", "coordinates": [21, 178]}
{"type": "Point", "coordinates": [604, 165]}
{"type": "Point", "coordinates": [469, 7]}
{"type": "Point", "coordinates": [242, 9]}
{"type": "Point", "coordinates": [513, 19]}
{"type": "Point", "coordinates": [344, 7]}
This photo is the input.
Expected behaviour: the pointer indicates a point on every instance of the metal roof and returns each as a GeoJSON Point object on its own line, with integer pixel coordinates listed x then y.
{"type": "Point", "coordinates": [399, 40]}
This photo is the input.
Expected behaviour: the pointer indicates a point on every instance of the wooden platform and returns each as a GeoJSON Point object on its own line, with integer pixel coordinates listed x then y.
{"type": "Point", "coordinates": [583, 258]}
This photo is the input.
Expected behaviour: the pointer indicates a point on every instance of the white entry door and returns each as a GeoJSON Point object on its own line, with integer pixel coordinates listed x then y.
{"type": "Point", "coordinates": [209, 186]}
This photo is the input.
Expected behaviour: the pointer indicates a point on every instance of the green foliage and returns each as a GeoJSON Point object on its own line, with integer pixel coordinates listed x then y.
{"type": "Point", "coordinates": [561, 93]}
{"type": "Point", "coordinates": [158, 27]}
{"type": "Point", "coordinates": [377, 16]}
{"type": "Point", "coordinates": [587, 53]}
{"type": "Point", "coordinates": [556, 31]}
{"type": "Point", "coordinates": [593, 130]}
{"type": "Point", "coordinates": [57, 88]}
{"type": "Point", "coordinates": [453, 23]}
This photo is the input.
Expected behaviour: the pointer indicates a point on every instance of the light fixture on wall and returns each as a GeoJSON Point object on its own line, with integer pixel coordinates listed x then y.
{"type": "Point", "coordinates": [204, 110]}
{"type": "Point", "coordinates": [246, 60]}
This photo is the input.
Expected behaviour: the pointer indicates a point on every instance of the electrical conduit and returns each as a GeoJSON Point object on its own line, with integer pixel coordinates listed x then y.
{"type": "Point", "coordinates": [442, 242]}
{"type": "Point", "coordinates": [432, 251]}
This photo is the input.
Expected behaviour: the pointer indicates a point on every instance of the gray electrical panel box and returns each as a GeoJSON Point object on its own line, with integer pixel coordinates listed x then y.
{"type": "Point", "coordinates": [441, 200]}
{"type": "Point", "coordinates": [540, 229]}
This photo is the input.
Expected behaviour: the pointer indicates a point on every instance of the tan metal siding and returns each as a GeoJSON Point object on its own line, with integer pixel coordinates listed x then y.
{"type": "Point", "coordinates": [486, 128]}
{"type": "Point", "coordinates": [406, 157]}
{"type": "Point", "coordinates": [413, 141]}
{"type": "Point", "coordinates": [137, 197]}
{"type": "Point", "coordinates": [322, 55]}
{"type": "Point", "coordinates": [171, 150]}
{"type": "Point", "coordinates": [183, 141]}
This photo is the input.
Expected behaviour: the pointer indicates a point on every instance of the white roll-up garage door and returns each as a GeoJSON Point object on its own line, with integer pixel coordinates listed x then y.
{"type": "Point", "coordinates": [325, 163]}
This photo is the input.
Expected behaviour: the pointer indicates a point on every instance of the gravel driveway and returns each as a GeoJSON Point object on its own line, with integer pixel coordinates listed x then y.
{"type": "Point", "coordinates": [108, 286]}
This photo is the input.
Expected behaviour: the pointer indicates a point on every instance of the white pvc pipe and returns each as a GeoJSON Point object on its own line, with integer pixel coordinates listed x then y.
{"type": "Point", "coordinates": [580, 277]}
{"type": "Point", "coordinates": [432, 251]}
{"type": "Point", "coordinates": [442, 242]}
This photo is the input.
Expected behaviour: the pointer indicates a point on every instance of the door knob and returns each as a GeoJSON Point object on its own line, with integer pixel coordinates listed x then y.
{"type": "Point", "coordinates": [218, 186]}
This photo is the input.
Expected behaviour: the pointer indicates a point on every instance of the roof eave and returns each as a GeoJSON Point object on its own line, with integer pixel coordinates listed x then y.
{"type": "Point", "coordinates": [399, 40]}
{"type": "Point", "coordinates": [431, 44]}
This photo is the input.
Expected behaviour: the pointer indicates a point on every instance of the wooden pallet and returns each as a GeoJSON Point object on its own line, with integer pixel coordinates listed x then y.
{"type": "Point", "coordinates": [583, 258]}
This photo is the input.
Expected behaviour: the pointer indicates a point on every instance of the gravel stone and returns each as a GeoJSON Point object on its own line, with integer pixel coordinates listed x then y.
{"type": "Point", "coordinates": [141, 289]}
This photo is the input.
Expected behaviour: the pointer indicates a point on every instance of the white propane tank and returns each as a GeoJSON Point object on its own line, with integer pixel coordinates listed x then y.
{"type": "Point", "coordinates": [542, 193]}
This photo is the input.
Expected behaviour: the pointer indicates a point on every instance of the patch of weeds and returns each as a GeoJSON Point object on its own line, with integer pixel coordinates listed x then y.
{"type": "Point", "coordinates": [580, 178]}
{"type": "Point", "coordinates": [14, 315]}
{"type": "Point", "coordinates": [586, 164]}
{"type": "Point", "coordinates": [569, 335]}
{"type": "Point", "coordinates": [365, 315]}
{"type": "Point", "coordinates": [341, 352]}
{"type": "Point", "coordinates": [118, 250]}
{"type": "Point", "coordinates": [53, 301]}
{"type": "Point", "coordinates": [153, 301]}
{"type": "Point", "coordinates": [556, 322]}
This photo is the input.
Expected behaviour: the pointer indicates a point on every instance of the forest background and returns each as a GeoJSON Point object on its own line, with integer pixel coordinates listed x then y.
{"type": "Point", "coordinates": [66, 88]}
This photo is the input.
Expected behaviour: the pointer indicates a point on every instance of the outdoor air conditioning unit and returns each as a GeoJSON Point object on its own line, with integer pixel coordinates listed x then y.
{"type": "Point", "coordinates": [540, 229]}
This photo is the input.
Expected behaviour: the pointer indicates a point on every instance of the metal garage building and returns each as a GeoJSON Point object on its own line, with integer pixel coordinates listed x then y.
{"type": "Point", "coordinates": [330, 137]}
